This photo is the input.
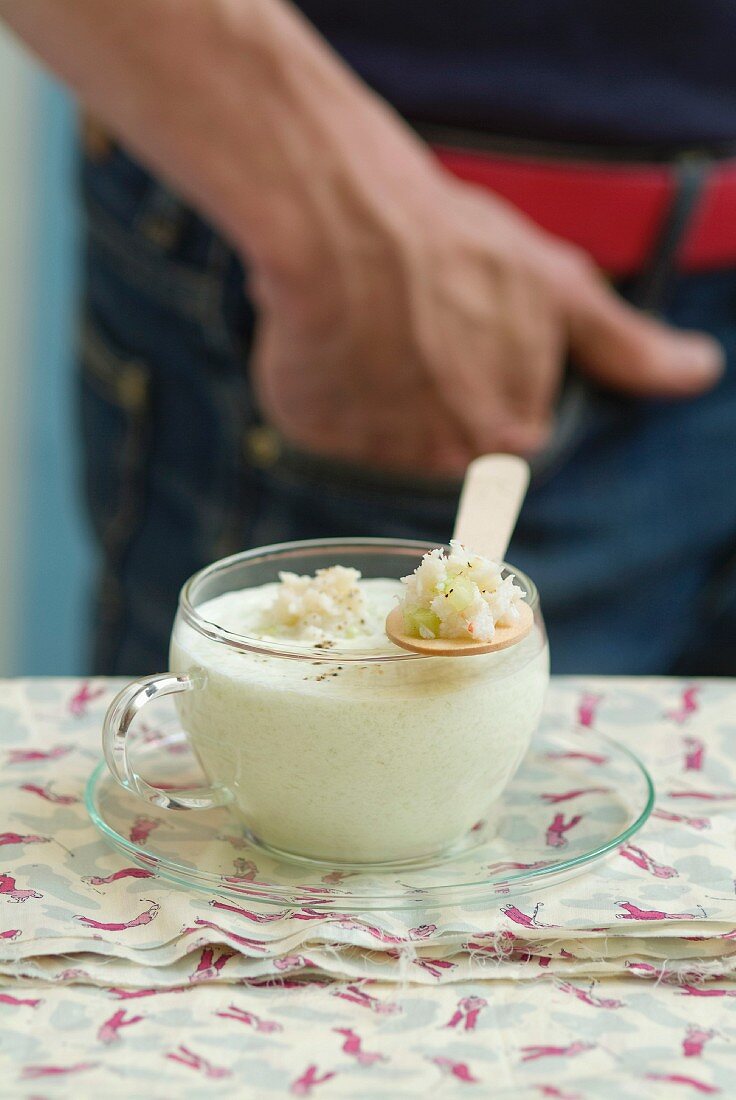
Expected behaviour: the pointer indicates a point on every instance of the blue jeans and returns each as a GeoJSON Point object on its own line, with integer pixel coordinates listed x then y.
{"type": "Point", "coordinates": [629, 528]}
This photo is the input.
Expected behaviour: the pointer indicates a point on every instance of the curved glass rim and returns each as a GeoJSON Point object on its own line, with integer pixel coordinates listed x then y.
{"type": "Point", "coordinates": [249, 644]}
{"type": "Point", "coordinates": [440, 895]}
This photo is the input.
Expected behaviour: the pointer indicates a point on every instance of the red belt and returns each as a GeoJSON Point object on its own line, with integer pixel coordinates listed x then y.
{"type": "Point", "coordinates": [614, 211]}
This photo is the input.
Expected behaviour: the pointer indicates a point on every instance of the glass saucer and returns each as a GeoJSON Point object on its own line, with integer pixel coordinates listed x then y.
{"type": "Point", "coordinates": [576, 797]}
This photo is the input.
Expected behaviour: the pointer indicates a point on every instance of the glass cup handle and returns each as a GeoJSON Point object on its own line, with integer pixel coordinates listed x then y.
{"type": "Point", "coordinates": [120, 714]}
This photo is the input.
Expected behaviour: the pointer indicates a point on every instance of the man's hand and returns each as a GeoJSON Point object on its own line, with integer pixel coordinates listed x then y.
{"type": "Point", "coordinates": [407, 320]}
{"type": "Point", "coordinates": [421, 339]}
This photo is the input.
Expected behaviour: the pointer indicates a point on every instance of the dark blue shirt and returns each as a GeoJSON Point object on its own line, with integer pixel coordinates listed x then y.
{"type": "Point", "coordinates": [625, 72]}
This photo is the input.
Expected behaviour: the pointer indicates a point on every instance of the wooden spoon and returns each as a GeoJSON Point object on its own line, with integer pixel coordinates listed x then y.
{"type": "Point", "coordinates": [493, 492]}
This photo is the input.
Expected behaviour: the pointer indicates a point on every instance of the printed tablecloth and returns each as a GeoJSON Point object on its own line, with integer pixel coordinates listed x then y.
{"type": "Point", "coordinates": [113, 979]}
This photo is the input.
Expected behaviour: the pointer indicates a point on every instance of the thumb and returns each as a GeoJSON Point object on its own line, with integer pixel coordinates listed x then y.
{"type": "Point", "coordinates": [625, 349]}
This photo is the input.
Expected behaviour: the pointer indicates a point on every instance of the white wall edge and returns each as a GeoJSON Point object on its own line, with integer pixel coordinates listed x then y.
{"type": "Point", "coordinates": [18, 160]}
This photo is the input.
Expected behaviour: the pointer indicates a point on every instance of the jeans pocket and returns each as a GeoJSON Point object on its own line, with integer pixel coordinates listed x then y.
{"type": "Point", "coordinates": [115, 407]}
{"type": "Point", "coordinates": [306, 495]}
{"type": "Point", "coordinates": [142, 235]}
{"type": "Point", "coordinates": [326, 497]}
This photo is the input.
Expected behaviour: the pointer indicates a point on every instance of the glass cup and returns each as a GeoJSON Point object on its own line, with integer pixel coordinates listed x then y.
{"type": "Point", "coordinates": [341, 756]}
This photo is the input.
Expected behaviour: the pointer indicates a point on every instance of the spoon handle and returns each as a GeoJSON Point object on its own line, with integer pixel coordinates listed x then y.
{"type": "Point", "coordinates": [493, 492]}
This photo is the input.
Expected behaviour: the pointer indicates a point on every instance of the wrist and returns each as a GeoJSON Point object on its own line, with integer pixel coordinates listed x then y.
{"type": "Point", "coordinates": [343, 163]}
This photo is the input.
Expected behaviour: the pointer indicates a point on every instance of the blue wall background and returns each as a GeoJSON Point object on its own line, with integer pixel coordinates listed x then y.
{"type": "Point", "coordinates": [57, 559]}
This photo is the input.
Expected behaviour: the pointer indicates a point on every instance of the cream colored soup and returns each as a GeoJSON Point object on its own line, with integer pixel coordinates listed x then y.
{"type": "Point", "coordinates": [357, 759]}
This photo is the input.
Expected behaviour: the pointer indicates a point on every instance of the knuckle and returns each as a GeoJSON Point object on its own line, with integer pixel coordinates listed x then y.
{"type": "Point", "coordinates": [578, 260]}
{"type": "Point", "coordinates": [576, 269]}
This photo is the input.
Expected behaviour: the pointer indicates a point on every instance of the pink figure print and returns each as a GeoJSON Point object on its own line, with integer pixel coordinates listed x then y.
{"type": "Point", "coordinates": [519, 917]}
{"type": "Point", "coordinates": [148, 734]}
{"type": "Point", "coordinates": [10, 934]}
{"type": "Point", "coordinates": [659, 972]}
{"type": "Point", "coordinates": [459, 1070]}
{"type": "Point", "coordinates": [334, 878]}
{"type": "Point", "coordinates": [680, 1079]}
{"type": "Point", "coordinates": [188, 1058]}
{"type": "Point", "coordinates": [126, 872]}
{"type": "Point", "coordinates": [236, 842]}
{"type": "Point", "coordinates": [136, 994]}
{"type": "Point", "coordinates": [82, 698]}
{"type": "Point", "coordinates": [552, 1090]}
{"type": "Point", "coordinates": [8, 890]}
{"type": "Point", "coordinates": [245, 871]}
{"type": "Point", "coordinates": [315, 892]}
{"type": "Point", "coordinates": [49, 796]}
{"type": "Point", "coordinates": [257, 918]}
{"type": "Point", "coordinates": [695, 1040]}
{"type": "Point", "coordinates": [698, 823]}
{"type": "Point", "coordinates": [29, 756]}
{"type": "Point", "coordinates": [345, 920]}
{"type": "Point", "coordinates": [353, 1047]}
{"type": "Point", "coordinates": [110, 1031]}
{"type": "Point", "coordinates": [254, 890]}
{"type": "Point", "coordinates": [20, 838]}
{"type": "Point", "coordinates": [9, 999]}
{"type": "Point", "coordinates": [588, 708]}
{"type": "Point", "coordinates": [422, 932]}
{"type": "Point", "coordinates": [120, 926]}
{"type": "Point", "coordinates": [209, 966]}
{"type": "Point", "coordinates": [567, 796]}
{"type": "Point", "coordinates": [72, 974]}
{"type": "Point", "coordinates": [633, 912]}
{"type": "Point", "coordinates": [513, 865]}
{"type": "Point", "coordinates": [249, 877]}
{"type": "Point", "coordinates": [556, 832]}
{"type": "Point", "coordinates": [33, 1072]}
{"type": "Point", "coordinates": [305, 913]}
{"type": "Point", "coordinates": [704, 796]}
{"type": "Point", "coordinates": [245, 941]}
{"type": "Point", "coordinates": [587, 996]}
{"type": "Point", "coordinates": [265, 1027]}
{"type": "Point", "coordinates": [534, 1053]}
{"type": "Point", "coordinates": [309, 1080]}
{"type": "Point", "coordinates": [693, 991]}
{"type": "Point", "coordinates": [142, 828]}
{"type": "Point", "coordinates": [294, 962]}
{"type": "Point", "coordinates": [376, 933]}
{"type": "Point", "coordinates": [498, 945]}
{"type": "Point", "coordinates": [590, 757]}
{"type": "Point", "coordinates": [435, 967]}
{"type": "Point", "coordinates": [467, 1012]}
{"type": "Point", "coordinates": [642, 859]}
{"type": "Point", "coordinates": [688, 706]}
{"type": "Point", "coordinates": [540, 960]}
{"type": "Point", "coordinates": [282, 983]}
{"type": "Point", "coordinates": [356, 994]}
{"type": "Point", "coordinates": [694, 754]}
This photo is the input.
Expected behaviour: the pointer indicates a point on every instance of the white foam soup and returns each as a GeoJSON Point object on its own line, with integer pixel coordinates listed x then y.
{"type": "Point", "coordinates": [345, 754]}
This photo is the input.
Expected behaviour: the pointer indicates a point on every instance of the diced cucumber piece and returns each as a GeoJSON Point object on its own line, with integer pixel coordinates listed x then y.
{"type": "Point", "coordinates": [461, 594]}
{"type": "Point", "coordinates": [414, 621]}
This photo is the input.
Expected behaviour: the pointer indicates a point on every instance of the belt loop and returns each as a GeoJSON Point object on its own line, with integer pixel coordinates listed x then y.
{"type": "Point", "coordinates": [650, 286]}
